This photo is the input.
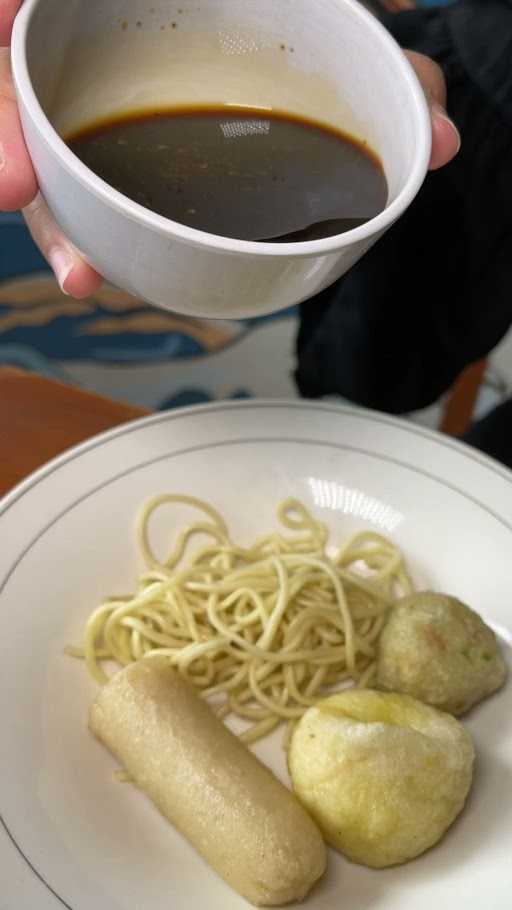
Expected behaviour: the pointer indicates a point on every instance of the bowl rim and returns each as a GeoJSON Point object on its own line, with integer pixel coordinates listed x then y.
{"type": "Point", "coordinates": [194, 237]}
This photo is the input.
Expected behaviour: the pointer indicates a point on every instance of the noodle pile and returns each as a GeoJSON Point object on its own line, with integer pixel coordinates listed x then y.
{"type": "Point", "coordinates": [263, 631]}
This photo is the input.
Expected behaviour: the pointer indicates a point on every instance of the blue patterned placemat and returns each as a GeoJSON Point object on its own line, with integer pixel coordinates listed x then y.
{"type": "Point", "coordinates": [116, 345]}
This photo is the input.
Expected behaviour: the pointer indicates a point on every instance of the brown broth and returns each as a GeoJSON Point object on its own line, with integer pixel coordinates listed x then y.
{"type": "Point", "coordinates": [238, 172]}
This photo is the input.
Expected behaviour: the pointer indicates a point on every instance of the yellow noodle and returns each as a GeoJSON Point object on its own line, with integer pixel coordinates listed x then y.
{"type": "Point", "coordinates": [265, 629]}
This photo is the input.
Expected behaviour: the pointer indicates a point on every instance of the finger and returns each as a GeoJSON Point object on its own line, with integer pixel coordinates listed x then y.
{"type": "Point", "coordinates": [8, 10]}
{"type": "Point", "coordinates": [446, 139]}
{"type": "Point", "coordinates": [74, 275]}
{"type": "Point", "coordinates": [18, 184]}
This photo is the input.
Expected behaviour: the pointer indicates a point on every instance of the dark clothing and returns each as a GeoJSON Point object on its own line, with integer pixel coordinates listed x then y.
{"type": "Point", "coordinates": [482, 38]}
{"type": "Point", "coordinates": [493, 434]}
{"type": "Point", "coordinates": [435, 293]}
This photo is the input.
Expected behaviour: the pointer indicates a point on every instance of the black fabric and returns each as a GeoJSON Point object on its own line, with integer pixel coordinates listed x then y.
{"type": "Point", "coordinates": [482, 36]}
{"type": "Point", "coordinates": [493, 434]}
{"type": "Point", "coordinates": [435, 293]}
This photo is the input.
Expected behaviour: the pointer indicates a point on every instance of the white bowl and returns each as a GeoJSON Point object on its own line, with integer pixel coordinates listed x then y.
{"type": "Point", "coordinates": [76, 61]}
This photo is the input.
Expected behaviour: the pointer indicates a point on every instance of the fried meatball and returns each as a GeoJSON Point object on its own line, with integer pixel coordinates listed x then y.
{"type": "Point", "coordinates": [383, 775]}
{"type": "Point", "coordinates": [438, 650]}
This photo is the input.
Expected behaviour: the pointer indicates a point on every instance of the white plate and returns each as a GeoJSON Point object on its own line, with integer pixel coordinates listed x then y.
{"type": "Point", "coordinates": [70, 836]}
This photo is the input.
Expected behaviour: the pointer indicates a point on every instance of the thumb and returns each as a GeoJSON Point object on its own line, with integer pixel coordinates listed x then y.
{"type": "Point", "coordinates": [8, 10]}
{"type": "Point", "coordinates": [446, 139]}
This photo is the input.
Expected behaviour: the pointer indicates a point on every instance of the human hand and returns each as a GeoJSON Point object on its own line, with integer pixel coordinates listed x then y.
{"type": "Point", "coordinates": [445, 135]}
{"type": "Point", "coordinates": [18, 184]}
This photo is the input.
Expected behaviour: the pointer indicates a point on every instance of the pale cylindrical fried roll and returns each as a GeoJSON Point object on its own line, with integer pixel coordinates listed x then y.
{"type": "Point", "coordinates": [230, 807]}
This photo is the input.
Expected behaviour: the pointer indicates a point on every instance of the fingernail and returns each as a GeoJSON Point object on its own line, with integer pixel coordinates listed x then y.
{"type": "Point", "coordinates": [62, 264]}
{"type": "Point", "coordinates": [439, 111]}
